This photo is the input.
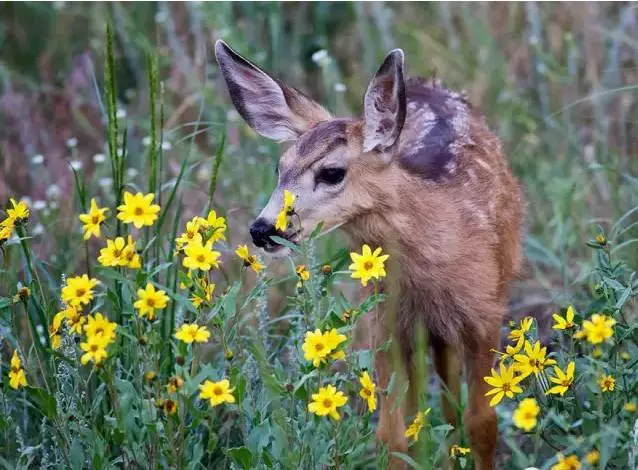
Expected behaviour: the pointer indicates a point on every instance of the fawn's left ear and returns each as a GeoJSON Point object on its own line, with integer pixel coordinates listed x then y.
{"type": "Point", "coordinates": [275, 110]}
{"type": "Point", "coordinates": [384, 104]}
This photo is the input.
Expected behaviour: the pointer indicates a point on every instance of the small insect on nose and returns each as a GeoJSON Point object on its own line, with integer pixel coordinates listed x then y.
{"type": "Point", "coordinates": [261, 230]}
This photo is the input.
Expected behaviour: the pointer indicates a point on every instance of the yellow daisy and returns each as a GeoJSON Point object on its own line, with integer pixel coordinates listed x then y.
{"type": "Point", "coordinates": [217, 392]}
{"type": "Point", "coordinates": [190, 332]}
{"type": "Point", "coordinates": [150, 300]}
{"type": "Point", "coordinates": [138, 209]}
{"type": "Point", "coordinates": [92, 220]}
{"type": "Point", "coordinates": [327, 401]}
{"type": "Point", "coordinates": [368, 265]}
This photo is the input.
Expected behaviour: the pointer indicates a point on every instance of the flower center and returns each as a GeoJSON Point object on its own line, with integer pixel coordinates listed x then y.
{"type": "Point", "coordinates": [117, 253]}
{"type": "Point", "coordinates": [94, 347]}
{"type": "Point", "coordinates": [95, 219]}
{"type": "Point", "coordinates": [327, 403]}
{"type": "Point", "coordinates": [218, 391]}
{"type": "Point", "coordinates": [99, 330]}
{"type": "Point", "coordinates": [15, 370]}
{"type": "Point", "coordinates": [201, 258]}
{"type": "Point", "coordinates": [319, 347]}
{"type": "Point", "coordinates": [150, 302]}
{"type": "Point", "coordinates": [535, 363]}
{"type": "Point", "coordinates": [80, 292]}
{"type": "Point", "coordinates": [506, 386]}
{"type": "Point", "coordinates": [138, 210]}
{"type": "Point", "coordinates": [368, 265]}
{"type": "Point", "coordinates": [367, 392]}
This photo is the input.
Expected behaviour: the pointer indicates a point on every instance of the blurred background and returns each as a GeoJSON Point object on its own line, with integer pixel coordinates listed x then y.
{"type": "Point", "coordinates": [558, 82]}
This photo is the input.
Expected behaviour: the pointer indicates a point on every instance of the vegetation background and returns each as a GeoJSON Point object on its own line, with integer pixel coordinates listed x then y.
{"type": "Point", "coordinates": [558, 82]}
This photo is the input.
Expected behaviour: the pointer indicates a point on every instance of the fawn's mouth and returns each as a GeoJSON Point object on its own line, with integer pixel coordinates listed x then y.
{"type": "Point", "coordinates": [274, 247]}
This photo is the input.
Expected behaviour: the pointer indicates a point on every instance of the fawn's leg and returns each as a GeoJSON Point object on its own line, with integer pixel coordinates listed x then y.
{"type": "Point", "coordinates": [449, 368]}
{"type": "Point", "coordinates": [391, 427]}
{"type": "Point", "coordinates": [480, 418]}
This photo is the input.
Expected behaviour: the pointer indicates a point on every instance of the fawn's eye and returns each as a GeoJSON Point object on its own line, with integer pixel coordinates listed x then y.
{"type": "Point", "coordinates": [330, 176]}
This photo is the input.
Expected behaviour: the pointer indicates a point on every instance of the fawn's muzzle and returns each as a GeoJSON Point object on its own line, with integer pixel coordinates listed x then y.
{"type": "Point", "coordinates": [261, 230]}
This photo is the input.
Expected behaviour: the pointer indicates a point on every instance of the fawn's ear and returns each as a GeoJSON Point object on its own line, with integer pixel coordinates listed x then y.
{"type": "Point", "coordinates": [384, 104]}
{"type": "Point", "coordinates": [273, 109]}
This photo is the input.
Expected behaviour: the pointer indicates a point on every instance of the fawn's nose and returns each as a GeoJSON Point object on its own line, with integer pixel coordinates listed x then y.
{"type": "Point", "coordinates": [261, 230]}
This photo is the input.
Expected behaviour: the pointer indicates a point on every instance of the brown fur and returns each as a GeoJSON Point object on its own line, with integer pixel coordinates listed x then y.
{"type": "Point", "coordinates": [436, 192]}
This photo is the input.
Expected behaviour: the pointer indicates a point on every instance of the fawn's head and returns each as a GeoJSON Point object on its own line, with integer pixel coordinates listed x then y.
{"type": "Point", "coordinates": [333, 161]}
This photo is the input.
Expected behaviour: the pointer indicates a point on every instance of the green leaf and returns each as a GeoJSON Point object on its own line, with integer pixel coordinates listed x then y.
{"type": "Point", "coordinates": [42, 401]}
{"type": "Point", "coordinates": [241, 456]}
{"type": "Point", "coordinates": [407, 459]}
{"type": "Point", "coordinates": [287, 243]}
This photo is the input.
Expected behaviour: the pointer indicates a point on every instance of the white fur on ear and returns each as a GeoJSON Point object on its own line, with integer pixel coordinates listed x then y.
{"type": "Point", "coordinates": [384, 104]}
{"type": "Point", "coordinates": [271, 108]}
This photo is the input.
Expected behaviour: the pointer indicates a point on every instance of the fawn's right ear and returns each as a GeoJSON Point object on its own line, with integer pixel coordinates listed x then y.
{"type": "Point", "coordinates": [384, 104]}
{"type": "Point", "coordinates": [273, 109]}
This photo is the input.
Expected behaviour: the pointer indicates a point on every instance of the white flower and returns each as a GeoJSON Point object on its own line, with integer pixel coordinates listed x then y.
{"type": "Point", "coordinates": [38, 230]}
{"type": "Point", "coordinates": [76, 165]}
{"type": "Point", "coordinates": [321, 57]}
{"type": "Point", "coordinates": [146, 141]}
{"type": "Point", "coordinates": [131, 172]}
{"type": "Point", "coordinates": [105, 182]}
{"type": "Point", "coordinates": [27, 200]}
{"type": "Point", "coordinates": [39, 205]}
{"type": "Point", "coordinates": [37, 159]}
{"type": "Point", "coordinates": [54, 205]}
{"type": "Point", "coordinates": [120, 113]}
{"type": "Point", "coordinates": [340, 87]}
{"type": "Point", "coordinates": [166, 145]}
{"type": "Point", "coordinates": [72, 142]}
{"type": "Point", "coordinates": [53, 192]}
{"type": "Point", "coordinates": [99, 158]}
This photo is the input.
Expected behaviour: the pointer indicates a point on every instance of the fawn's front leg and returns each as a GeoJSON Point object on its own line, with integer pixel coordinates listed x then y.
{"type": "Point", "coordinates": [480, 418]}
{"type": "Point", "coordinates": [391, 427]}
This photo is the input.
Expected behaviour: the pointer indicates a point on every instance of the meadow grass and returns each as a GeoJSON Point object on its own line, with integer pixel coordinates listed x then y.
{"type": "Point", "coordinates": [121, 413]}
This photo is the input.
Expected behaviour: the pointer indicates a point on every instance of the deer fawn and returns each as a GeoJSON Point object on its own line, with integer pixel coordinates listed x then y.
{"type": "Point", "coordinates": [422, 176]}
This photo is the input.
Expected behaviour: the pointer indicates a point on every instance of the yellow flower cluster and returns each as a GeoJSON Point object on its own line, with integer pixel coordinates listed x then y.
{"type": "Point", "coordinates": [100, 333]}
{"type": "Point", "coordinates": [318, 346]}
{"type": "Point", "coordinates": [17, 377]}
{"type": "Point", "coordinates": [120, 253]}
{"type": "Point", "coordinates": [191, 333]}
{"type": "Point", "coordinates": [17, 215]}
{"type": "Point", "coordinates": [249, 260]}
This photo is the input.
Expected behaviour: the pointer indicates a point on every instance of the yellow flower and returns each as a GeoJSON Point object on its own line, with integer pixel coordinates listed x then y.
{"type": "Point", "coordinates": [533, 361]}
{"type": "Point", "coordinates": [598, 328]}
{"type": "Point", "coordinates": [17, 377]}
{"type": "Point", "coordinates": [131, 256]}
{"type": "Point", "coordinates": [199, 256]}
{"type": "Point", "coordinates": [249, 260]}
{"type": "Point", "coordinates": [601, 239]}
{"type": "Point", "coordinates": [76, 320]}
{"type": "Point", "coordinates": [511, 351]}
{"type": "Point", "coordinates": [334, 339]}
{"type": "Point", "coordinates": [190, 332]}
{"type": "Point", "coordinates": [170, 407]}
{"type": "Point", "coordinates": [217, 392]}
{"type": "Point", "coordinates": [592, 457]}
{"type": "Point", "coordinates": [92, 220]}
{"type": "Point", "coordinates": [5, 233]}
{"type": "Point", "coordinates": [607, 383]}
{"type": "Point", "coordinates": [566, 322]}
{"type": "Point", "coordinates": [526, 324]}
{"type": "Point", "coordinates": [367, 265]}
{"type": "Point", "coordinates": [414, 429]}
{"type": "Point", "coordinates": [456, 451]}
{"type": "Point", "coordinates": [138, 209]}
{"type": "Point", "coordinates": [281, 223]}
{"type": "Point", "coordinates": [208, 288]}
{"type": "Point", "coordinates": [525, 414]}
{"type": "Point", "coordinates": [99, 325]}
{"type": "Point", "coordinates": [150, 300]}
{"type": "Point", "coordinates": [368, 391]}
{"type": "Point", "coordinates": [566, 463]}
{"type": "Point", "coordinates": [217, 225]}
{"type": "Point", "coordinates": [327, 401]}
{"type": "Point", "coordinates": [316, 347]}
{"type": "Point", "coordinates": [302, 272]}
{"type": "Point", "coordinates": [78, 290]}
{"type": "Point", "coordinates": [563, 380]}
{"type": "Point", "coordinates": [505, 384]}
{"type": "Point", "coordinates": [94, 349]}
{"type": "Point", "coordinates": [18, 214]}
{"type": "Point", "coordinates": [192, 232]}
{"type": "Point", "coordinates": [630, 407]}
{"type": "Point", "coordinates": [174, 384]}
{"type": "Point", "coordinates": [115, 253]}
{"type": "Point", "coordinates": [625, 356]}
